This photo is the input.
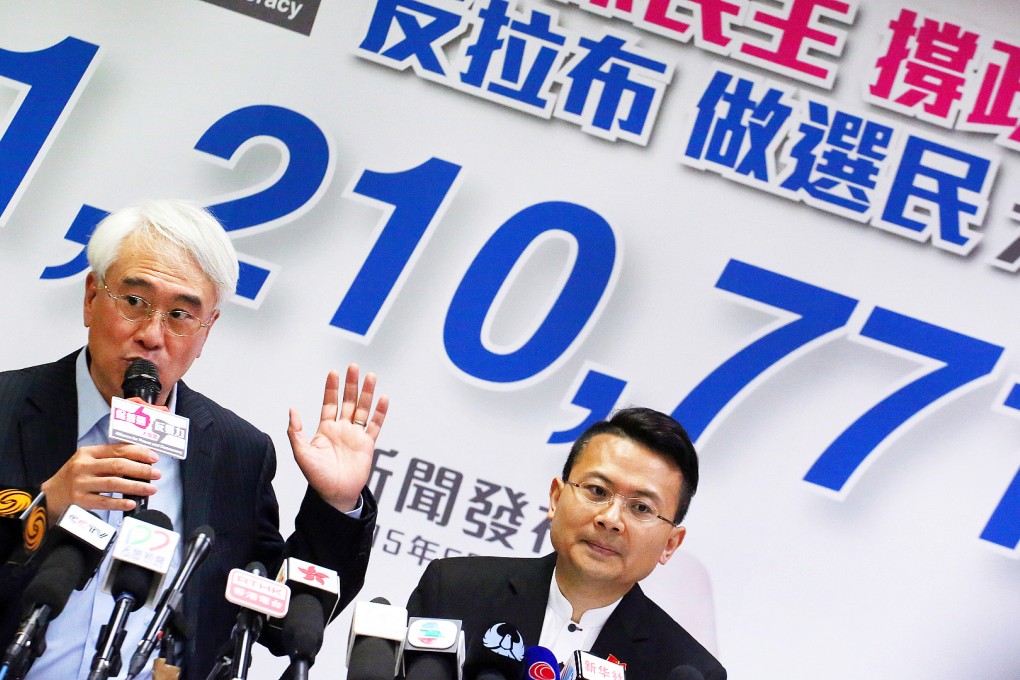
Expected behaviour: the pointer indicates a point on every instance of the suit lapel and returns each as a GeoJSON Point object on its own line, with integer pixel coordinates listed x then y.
{"type": "Point", "coordinates": [197, 468]}
{"type": "Point", "coordinates": [49, 421]}
{"type": "Point", "coordinates": [625, 627]}
{"type": "Point", "coordinates": [529, 593]}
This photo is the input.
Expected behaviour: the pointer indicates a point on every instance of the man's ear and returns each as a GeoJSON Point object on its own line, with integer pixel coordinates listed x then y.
{"type": "Point", "coordinates": [91, 291]}
{"type": "Point", "coordinates": [555, 489]}
{"type": "Point", "coordinates": [676, 537]}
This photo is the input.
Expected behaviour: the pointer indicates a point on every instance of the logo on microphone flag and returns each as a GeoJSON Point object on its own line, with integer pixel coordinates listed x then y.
{"type": "Point", "coordinates": [541, 670]}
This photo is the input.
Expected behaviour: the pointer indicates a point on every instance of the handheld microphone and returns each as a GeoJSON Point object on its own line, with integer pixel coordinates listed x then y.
{"type": "Point", "coordinates": [587, 666]}
{"type": "Point", "coordinates": [539, 664]}
{"type": "Point", "coordinates": [23, 523]}
{"type": "Point", "coordinates": [169, 604]}
{"type": "Point", "coordinates": [142, 556]}
{"type": "Point", "coordinates": [315, 592]}
{"type": "Point", "coordinates": [68, 558]}
{"type": "Point", "coordinates": [141, 379]}
{"type": "Point", "coordinates": [377, 630]}
{"type": "Point", "coordinates": [685, 672]}
{"type": "Point", "coordinates": [495, 654]}
{"type": "Point", "coordinates": [433, 649]}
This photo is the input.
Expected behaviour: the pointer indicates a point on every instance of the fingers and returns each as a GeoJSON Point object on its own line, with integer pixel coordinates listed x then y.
{"type": "Point", "coordinates": [329, 396]}
{"type": "Point", "coordinates": [374, 425]}
{"type": "Point", "coordinates": [348, 410]}
{"type": "Point", "coordinates": [97, 470]}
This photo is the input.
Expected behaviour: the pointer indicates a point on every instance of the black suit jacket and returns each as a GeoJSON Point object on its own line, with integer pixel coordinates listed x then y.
{"type": "Point", "coordinates": [481, 591]}
{"type": "Point", "coordinates": [227, 483]}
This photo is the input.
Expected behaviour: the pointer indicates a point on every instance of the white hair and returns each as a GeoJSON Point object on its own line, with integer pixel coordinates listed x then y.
{"type": "Point", "coordinates": [175, 230]}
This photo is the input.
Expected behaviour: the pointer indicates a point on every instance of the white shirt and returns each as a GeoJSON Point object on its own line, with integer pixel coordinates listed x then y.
{"type": "Point", "coordinates": [561, 634]}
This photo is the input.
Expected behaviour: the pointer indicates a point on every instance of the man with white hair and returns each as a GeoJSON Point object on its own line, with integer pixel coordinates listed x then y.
{"type": "Point", "coordinates": [160, 273]}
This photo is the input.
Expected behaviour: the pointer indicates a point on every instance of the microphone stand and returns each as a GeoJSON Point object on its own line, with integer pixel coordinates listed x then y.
{"type": "Point", "coordinates": [246, 632]}
{"type": "Point", "coordinates": [107, 660]}
{"type": "Point", "coordinates": [27, 646]}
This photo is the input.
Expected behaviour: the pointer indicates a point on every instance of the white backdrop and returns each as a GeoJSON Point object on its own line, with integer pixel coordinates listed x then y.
{"type": "Point", "coordinates": [885, 576]}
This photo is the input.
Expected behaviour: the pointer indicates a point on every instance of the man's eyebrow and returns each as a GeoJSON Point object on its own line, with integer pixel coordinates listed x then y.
{"type": "Point", "coordinates": [185, 298]}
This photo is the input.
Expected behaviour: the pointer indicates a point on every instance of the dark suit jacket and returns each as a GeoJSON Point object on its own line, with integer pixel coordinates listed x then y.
{"type": "Point", "coordinates": [227, 481]}
{"type": "Point", "coordinates": [481, 591]}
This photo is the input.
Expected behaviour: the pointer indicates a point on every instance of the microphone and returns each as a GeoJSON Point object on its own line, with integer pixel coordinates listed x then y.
{"type": "Point", "coordinates": [169, 604]}
{"type": "Point", "coordinates": [587, 666]}
{"type": "Point", "coordinates": [685, 672]}
{"type": "Point", "coordinates": [257, 597]}
{"type": "Point", "coordinates": [496, 654]}
{"type": "Point", "coordinates": [433, 649]}
{"type": "Point", "coordinates": [377, 630]}
{"type": "Point", "coordinates": [315, 592]}
{"type": "Point", "coordinates": [540, 664]}
{"type": "Point", "coordinates": [141, 379]}
{"type": "Point", "coordinates": [142, 556]}
{"type": "Point", "coordinates": [68, 558]}
{"type": "Point", "coordinates": [23, 523]}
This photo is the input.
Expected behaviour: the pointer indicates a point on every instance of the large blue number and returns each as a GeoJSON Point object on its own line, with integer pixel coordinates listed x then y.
{"type": "Point", "coordinates": [589, 279]}
{"type": "Point", "coordinates": [53, 76]}
{"type": "Point", "coordinates": [819, 312]}
{"type": "Point", "coordinates": [418, 197]}
{"type": "Point", "coordinates": [965, 360]}
{"type": "Point", "coordinates": [306, 151]}
{"type": "Point", "coordinates": [1003, 526]}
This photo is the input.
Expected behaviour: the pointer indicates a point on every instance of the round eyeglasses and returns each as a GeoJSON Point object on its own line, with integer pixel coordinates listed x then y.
{"type": "Point", "coordinates": [638, 509]}
{"type": "Point", "coordinates": [135, 309]}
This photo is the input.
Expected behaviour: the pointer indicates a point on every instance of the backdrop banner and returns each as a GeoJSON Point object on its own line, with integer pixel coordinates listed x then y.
{"type": "Point", "coordinates": [793, 224]}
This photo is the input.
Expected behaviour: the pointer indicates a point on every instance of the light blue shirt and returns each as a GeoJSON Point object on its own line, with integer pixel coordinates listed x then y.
{"type": "Point", "coordinates": [72, 637]}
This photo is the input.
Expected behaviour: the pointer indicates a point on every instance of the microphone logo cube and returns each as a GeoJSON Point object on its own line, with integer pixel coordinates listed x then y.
{"type": "Point", "coordinates": [432, 634]}
{"type": "Point", "coordinates": [86, 526]}
{"type": "Point", "coordinates": [146, 545]}
{"type": "Point", "coordinates": [257, 593]}
{"type": "Point", "coordinates": [295, 570]}
{"type": "Point", "coordinates": [149, 426]}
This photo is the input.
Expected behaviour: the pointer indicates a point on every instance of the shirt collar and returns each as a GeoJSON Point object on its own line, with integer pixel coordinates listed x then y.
{"type": "Point", "coordinates": [91, 406]}
{"type": "Point", "coordinates": [593, 618]}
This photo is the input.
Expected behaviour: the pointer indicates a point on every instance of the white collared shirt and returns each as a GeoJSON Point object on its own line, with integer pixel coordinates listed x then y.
{"type": "Point", "coordinates": [564, 636]}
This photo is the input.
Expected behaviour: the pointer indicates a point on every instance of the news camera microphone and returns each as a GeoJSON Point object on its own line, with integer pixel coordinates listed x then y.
{"type": "Point", "coordinates": [587, 666]}
{"type": "Point", "coordinates": [685, 672]}
{"type": "Point", "coordinates": [141, 380]}
{"type": "Point", "coordinates": [433, 649]}
{"type": "Point", "coordinates": [22, 523]}
{"type": "Point", "coordinates": [377, 631]}
{"type": "Point", "coordinates": [169, 604]}
{"type": "Point", "coordinates": [68, 558]}
{"type": "Point", "coordinates": [315, 592]}
{"type": "Point", "coordinates": [139, 563]}
{"type": "Point", "coordinates": [539, 664]}
{"type": "Point", "coordinates": [257, 597]}
{"type": "Point", "coordinates": [495, 654]}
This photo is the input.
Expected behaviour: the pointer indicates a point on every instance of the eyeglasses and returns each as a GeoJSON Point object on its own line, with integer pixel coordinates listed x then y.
{"type": "Point", "coordinates": [135, 309]}
{"type": "Point", "coordinates": [638, 509]}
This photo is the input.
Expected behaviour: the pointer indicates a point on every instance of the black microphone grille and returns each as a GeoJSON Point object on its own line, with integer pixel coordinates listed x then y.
{"type": "Point", "coordinates": [380, 600]}
{"type": "Point", "coordinates": [256, 568]}
{"type": "Point", "coordinates": [141, 379]}
{"type": "Point", "coordinates": [56, 578]}
{"type": "Point", "coordinates": [685, 672]}
{"type": "Point", "coordinates": [303, 627]}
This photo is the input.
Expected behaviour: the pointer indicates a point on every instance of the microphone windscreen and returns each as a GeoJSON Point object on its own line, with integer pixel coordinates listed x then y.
{"type": "Point", "coordinates": [155, 518]}
{"type": "Point", "coordinates": [372, 658]}
{"type": "Point", "coordinates": [53, 583]}
{"type": "Point", "coordinates": [685, 672]}
{"type": "Point", "coordinates": [432, 667]}
{"type": "Point", "coordinates": [302, 627]}
{"type": "Point", "coordinates": [133, 580]}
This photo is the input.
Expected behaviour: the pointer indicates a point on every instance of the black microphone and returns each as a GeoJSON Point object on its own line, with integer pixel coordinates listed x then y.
{"type": "Point", "coordinates": [131, 585]}
{"type": "Point", "coordinates": [169, 604]}
{"type": "Point", "coordinates": [141, 379]}
{"type": "Point", "coordinates": [302, 634]}
{"type": "Point", "coordinates": [685, 672]}
{"type": "Point", "coordinates": [248, 627]}
{"type": "Point", "coordinates": [495, 653]}
{"type": "Point", "coordinates": [68, 558]}
{"type": "Point", "coordinates": [377, 629]}
{"type": "Point", "coordinates": [22, 523]}
{"type": "Point", "coordinates": [315, 592]}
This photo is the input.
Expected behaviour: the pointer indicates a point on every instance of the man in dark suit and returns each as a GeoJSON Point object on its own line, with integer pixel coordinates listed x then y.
{"type": "Point", "coordinates": [159, 273]}
{"type": "Point", "coordinates": [614, 514]}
